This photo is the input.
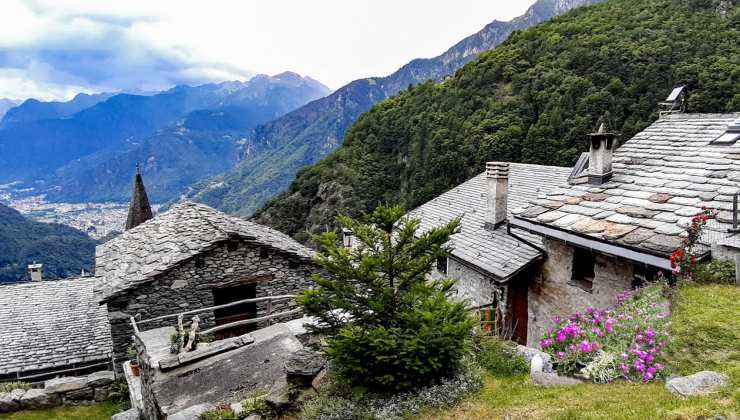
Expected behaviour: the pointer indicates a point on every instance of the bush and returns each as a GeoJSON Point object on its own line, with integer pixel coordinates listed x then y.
{"type": "Point", "coordinates": [444, 393]}
{"type": "Point", "coordinates": [396, 330]}
{"type": "Point", "coordinates": [715, 272]}
{"type": "Point", "coordinates": [635, 334]}
{"type": "Point", "coordinates": [220, 413]}
{"type": "Point", "coordinates": [499, 357]}
{"type": "Point", "coordinates": [9, 386]}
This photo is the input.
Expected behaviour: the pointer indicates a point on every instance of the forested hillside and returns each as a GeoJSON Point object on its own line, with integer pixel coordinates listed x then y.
{"type": "Point", "coordinates": [64, 251]}
{"type": "Point", "coordinates": [274, 152]}
{"type": "Point", "coordinates": [533, 99]}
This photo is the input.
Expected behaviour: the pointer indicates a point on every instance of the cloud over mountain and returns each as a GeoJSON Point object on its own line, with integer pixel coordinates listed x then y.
{"type": "Point", "coordinates": [49, 52]}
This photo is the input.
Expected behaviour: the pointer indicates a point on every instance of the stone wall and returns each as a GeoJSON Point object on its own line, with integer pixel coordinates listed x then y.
{"type": "Point", "coordinates": [551, 292]}
{"type": "Point", "coordinates": [73, 390]}
{"type": "Point", "coordinates": [189, 286]}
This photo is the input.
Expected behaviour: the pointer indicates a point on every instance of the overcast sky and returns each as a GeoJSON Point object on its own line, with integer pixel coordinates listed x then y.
{"type": "Point", "coordinates": [54, 49]}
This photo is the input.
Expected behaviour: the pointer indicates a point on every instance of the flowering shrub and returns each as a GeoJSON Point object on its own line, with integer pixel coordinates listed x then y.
{"type": "Point", "coordinates": [631, 337]}
{"type": "Point", "coordinates": [682, 259]}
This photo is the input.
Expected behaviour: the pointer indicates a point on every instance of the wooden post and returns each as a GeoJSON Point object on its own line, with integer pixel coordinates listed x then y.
{"type": "Point", "coordinates": [193, 332]}
{"type": "Point", "coordinates": [487, 321]}
{"type": "Point", "coordinates": [269, 311]}
{"type": "Point", "coordinates": [737, 270]}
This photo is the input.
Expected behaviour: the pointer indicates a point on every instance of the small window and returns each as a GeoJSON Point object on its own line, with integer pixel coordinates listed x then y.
{"type": "Point", "coordinates": [292, 264]}
{"type": "Point", "coordinates": [583, 269]}
{"type": "Point", "coordinates": [200, 262]}
{"type": "Point", "coordinates": [232, 246]}
{"type": "Point", "coordinates": [442, 265]}
{"type": "Point", "coordinates": [264, 253]}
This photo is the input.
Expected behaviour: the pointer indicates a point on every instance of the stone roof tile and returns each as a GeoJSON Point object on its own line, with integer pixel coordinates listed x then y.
{"type": "Point", "coordinates": [51, 324]}
{"type": "Point", "coordinates": [185, 230]}
{"type": "Point", "coordinates": [661, 178]}
{"type": "Point", "coordinates": [496, 251]}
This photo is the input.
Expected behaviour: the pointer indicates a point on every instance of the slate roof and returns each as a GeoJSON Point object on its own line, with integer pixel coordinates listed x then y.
{"type": "Point", "coordinates": [186, 230]}
{"type": "Point", "coordinates": [496, 252]}
{"type": "Point", "coordinates": [51, 324]}
{"type": "Point", "coordinates": [661, 178]}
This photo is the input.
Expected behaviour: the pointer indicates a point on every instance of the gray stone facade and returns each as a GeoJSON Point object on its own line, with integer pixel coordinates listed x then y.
{"type": "Point", "coordinates": [553, 293]}
{"type": "Point", "coordinates": [190, 285]}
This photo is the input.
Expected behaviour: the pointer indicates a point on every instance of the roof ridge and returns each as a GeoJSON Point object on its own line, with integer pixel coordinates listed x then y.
{"type": "Point", "coordinates": [206, 218]}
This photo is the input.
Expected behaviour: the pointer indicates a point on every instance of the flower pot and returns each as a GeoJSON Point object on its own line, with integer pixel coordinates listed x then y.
{"type": "Point", "coordinates": [135, 370]}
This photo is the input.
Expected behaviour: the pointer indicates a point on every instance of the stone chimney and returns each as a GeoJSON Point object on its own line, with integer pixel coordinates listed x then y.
{"type": "Point", "coordinates": [36, 271]}
{"type": "Point", "coordinates": [497, 193]}
{"type": "Point", "coordinates": [600, 156]}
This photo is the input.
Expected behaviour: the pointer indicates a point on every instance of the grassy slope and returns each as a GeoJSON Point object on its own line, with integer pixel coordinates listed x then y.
{"type": "Point", "coordinates": [706, 330]}
{"type": "Point", "coordinates": [101, 411]}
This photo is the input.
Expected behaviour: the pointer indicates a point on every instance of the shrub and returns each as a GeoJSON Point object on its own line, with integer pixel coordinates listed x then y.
{"type": "Point", "coordinates": [715, 272]}
{"type": "Point", "coordinates": [255, 405]}
{"type": "Point", "coordinates": [444, 393]}
{"type": "Point", "coordinates": [499, 357]}
{"type": "Point", "coordinates": [396, 330]}
{"type": "Point", "coordinates": [219, 413]}
{"type": "Point", "coordinates": [10, 386]}
{"type": "Point", "coordinates": [635, 334]}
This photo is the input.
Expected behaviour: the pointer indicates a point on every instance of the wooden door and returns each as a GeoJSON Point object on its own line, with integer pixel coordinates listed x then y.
{"type": "Point", "coordinates": [519, 295]}
{"type": "Point", "coordinates": [239, 312]}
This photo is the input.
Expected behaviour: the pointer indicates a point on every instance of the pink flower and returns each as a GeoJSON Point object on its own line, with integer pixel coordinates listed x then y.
{"type": "Point", "coordinates": [561, 354]}
{"type": "Point", "coordinates": [585, 346]}
{"type": "Point", "coordinates": [561, 336]}
{"type": "Point", "coordinates": [545, 343]}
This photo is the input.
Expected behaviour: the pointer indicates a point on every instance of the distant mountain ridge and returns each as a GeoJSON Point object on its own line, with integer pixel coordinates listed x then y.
{"type": "Point", "coordinates": [35, 110]}
{"type": "Point", "coordinates": [276, 151]}
{"type": "Point", "coordinates": [63, 250]}
{"type": "Point", "coordinates": [89, 155]}
{"type": "Point", "coordinates": [202, 143]}
{"type": "Point", "coordinates": [7, 104]}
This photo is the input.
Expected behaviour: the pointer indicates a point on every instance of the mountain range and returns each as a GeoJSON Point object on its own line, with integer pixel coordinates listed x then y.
{"type": "Point", "coordinates": [534, 99]}
{"type": "Point", "coordinates": [6, 104]}
{"type": "Point", "coordinates": [274, 152]}
{"type": "Point", "coordinates": [180, 135]}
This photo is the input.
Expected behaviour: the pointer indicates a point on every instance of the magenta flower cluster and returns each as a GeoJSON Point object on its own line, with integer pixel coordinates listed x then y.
{"type": "Point", "coordinates": [635, 332]}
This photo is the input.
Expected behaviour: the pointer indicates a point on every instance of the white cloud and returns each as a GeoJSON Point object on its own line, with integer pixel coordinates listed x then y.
{"type": "Point", "coordinates": [52, 49]}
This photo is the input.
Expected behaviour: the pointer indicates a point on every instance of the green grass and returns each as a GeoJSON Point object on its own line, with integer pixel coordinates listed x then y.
{"type": "Point", "coordinates": [98, 411]}
{"type": "Point", "coordinates": [705, 328]}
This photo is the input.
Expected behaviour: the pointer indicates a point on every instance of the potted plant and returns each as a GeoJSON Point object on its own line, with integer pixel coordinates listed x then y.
{"type": "Point", "coordinates": [134, 364]}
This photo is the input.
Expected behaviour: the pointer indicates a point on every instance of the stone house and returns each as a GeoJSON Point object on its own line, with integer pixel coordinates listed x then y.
{"type": "Point", "coordinates": [492, 265]}
{"type": "Point", "coordinates": [194, 257]}
{"type": "Point", "coordinates": [608, 224]}
{"type": "Point", "coordinates": [618, 220]}
{"type": "Point", "coordinates": [52, 327]}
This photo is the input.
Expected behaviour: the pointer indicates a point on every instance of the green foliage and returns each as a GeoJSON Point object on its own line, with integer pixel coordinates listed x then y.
{"type": "Point", "coordinates": [220, 413]}
{"type": "Point", "coordinates": [9, 386]}
{"type": "Point", "coordinates": [715, 272]}
{"type": "Point", "coordinates": [118, 392]}
{"type": "Point", "coordinates": [533, 99]}
{"type": "Point", "coordinates": [498, 357]}
{"type": "Point", "coordinates": [63, 250]}
{"type": "Point", "coordinates": [390, 328]}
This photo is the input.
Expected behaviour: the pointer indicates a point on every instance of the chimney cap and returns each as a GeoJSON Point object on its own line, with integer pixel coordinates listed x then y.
{"type": "Point", "coordinates": [497, 169]}
{"type": "Point", "coordinates": [603, 131]}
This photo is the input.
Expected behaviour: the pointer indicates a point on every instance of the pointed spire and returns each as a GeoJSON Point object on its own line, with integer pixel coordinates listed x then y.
{"type": "Point", "coordinates": [139, 210]}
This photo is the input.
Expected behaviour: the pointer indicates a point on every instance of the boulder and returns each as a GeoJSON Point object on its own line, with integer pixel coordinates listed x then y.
{"type": "Point", "coordinates": [130, 414]}
{"type": "Point", "coordinates": [36, 399]}
{"type": "Point", "coordinates": [528, 354]}
{"type": "Point", "coordinates": [191, 413]}
{"type": "Point", "coordinates": [102, 378]}
{"type": "Point", "coordinates": [701, 383]}
{"type": "Point", "coordinates": [553, 379]}
{"type": "Point", "coordinates": [84, 394]}
{"type": "Point", "coordinates": [101, 393]}
{"type": "Point", "coordinates": [305, 363]}
{"type": "Point", "coordinates": [11, 401]}
{"type": "Point", "coordinates": [65, 384]}
{"type": "Point", "coordinates": [279, 397]}
{"type": "Point", "coordinates": [322, 381]}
